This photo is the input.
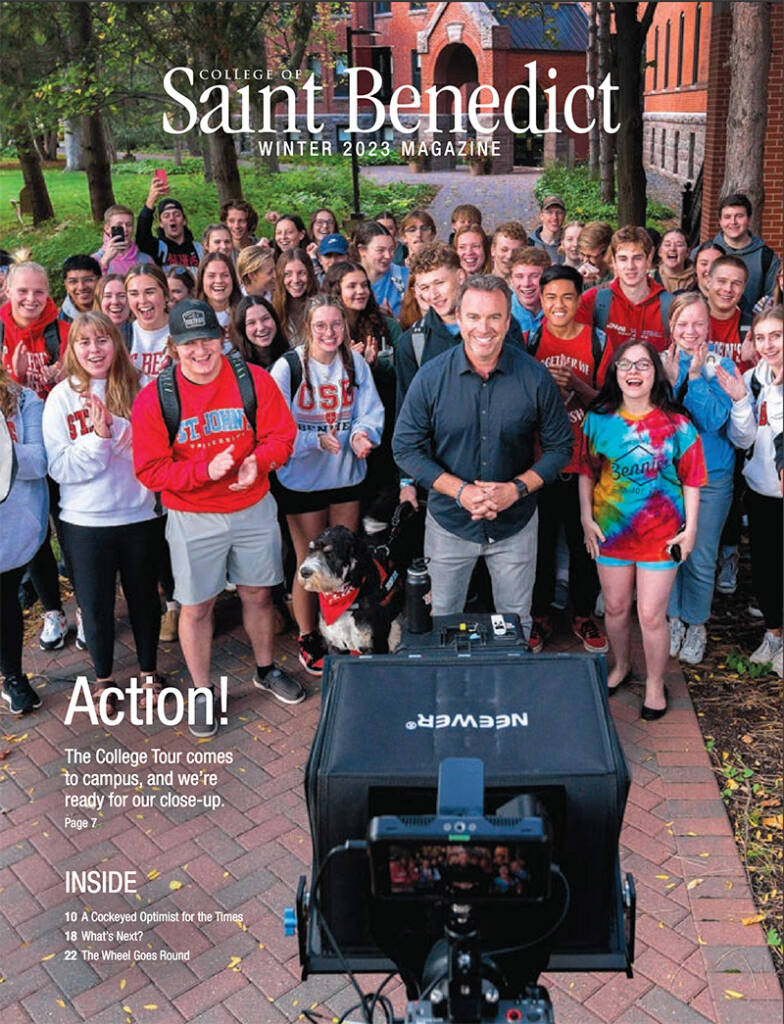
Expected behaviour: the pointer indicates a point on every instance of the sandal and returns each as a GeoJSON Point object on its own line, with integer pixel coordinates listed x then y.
{"type": "Point", "coordinates": [101, 688]}
{"type": "Point", "coordinates": [151, 689]}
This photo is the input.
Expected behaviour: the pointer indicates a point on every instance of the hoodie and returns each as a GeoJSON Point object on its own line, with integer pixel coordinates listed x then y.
{"type": "Point", "coordinates": [551, 248]}
{"type": "Point", "coordinates": [625, 319]}
{"type": "Point", "coordinates": [163, 250]}
{"type": "Point", "coordinates": [763, 268]}
{"type": "Point", "coordinates": [25, 512]}
{"type": "Point", "coordinates": [766, 403]}
{"type": "Point", "coordinates": [33, 338]}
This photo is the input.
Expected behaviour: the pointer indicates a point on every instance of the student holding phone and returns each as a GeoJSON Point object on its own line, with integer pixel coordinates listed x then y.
{"type": "Point", "coordinates": [119, 252]}
{"type": "Point", "coordinates": [641, 466]}
{"type": "Point", "coordinates": [174, 245]}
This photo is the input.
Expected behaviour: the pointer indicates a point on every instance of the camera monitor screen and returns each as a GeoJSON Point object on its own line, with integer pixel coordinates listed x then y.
{"type": "Point", "coordinates": [465, 870]}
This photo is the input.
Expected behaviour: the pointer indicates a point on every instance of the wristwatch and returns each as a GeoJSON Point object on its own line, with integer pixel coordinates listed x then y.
{"type": "Point", "coordinates": [522, 487]}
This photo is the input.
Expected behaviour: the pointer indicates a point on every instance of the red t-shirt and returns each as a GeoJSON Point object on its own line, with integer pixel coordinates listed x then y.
{"type": "Point", "coordinates": [577, 355]}
{"type": "Point", "coordinates": [211, 419]}
{"type": "Point", "coordinates": [725, 336]}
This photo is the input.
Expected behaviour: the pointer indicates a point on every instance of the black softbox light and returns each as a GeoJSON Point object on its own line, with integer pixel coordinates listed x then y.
{"type": "Point", "coordinates": [540, 724]}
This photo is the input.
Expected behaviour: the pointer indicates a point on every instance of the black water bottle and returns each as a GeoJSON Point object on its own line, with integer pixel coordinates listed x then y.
{"type": "Point", "coordinates": [418, 618]}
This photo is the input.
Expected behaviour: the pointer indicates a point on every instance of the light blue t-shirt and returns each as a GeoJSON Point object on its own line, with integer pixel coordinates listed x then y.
{"type": "Point", "coordinates": [391, 288]}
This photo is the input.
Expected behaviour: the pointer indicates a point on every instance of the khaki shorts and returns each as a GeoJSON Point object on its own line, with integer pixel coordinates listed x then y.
{"type": "Point", "coordinates": [208, 548]}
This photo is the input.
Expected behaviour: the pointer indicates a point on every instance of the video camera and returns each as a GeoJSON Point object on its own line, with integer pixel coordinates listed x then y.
{"type": "Point", "coordinates": [465, 811]}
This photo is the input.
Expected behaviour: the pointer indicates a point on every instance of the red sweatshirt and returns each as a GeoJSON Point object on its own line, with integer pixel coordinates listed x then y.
{"type": "Point", "coordinates": [33, 338]}
{"type": "Point", "coordinates": [725, 336]}
{"type": "Point", "coordinates": [212, 418]}
{"type": "Point", "coordinates": [627, 320]}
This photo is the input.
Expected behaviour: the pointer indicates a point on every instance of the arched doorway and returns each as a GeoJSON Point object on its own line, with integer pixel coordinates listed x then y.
{"type": "Point", "coordinates": [455, 65]}
{"type": "Point", "coordinates": [529, 147]}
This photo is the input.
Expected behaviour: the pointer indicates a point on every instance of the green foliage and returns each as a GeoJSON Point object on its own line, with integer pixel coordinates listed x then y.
{"type": "Point", "coordinates": [738, 662]}
{"type": "Point", "coordinates": [582, 197]}
{"type": "Point", "coordinates": [301, 191]}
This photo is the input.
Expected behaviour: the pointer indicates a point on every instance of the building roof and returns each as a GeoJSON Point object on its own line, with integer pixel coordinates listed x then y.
{"type": "Point", "coordinates": [569, 23]}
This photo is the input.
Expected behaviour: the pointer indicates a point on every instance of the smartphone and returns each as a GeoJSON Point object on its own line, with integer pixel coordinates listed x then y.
{"type": "Point", "coordinates": [160, 174]}
{"type": "Point", "coordinates": [118, 232]}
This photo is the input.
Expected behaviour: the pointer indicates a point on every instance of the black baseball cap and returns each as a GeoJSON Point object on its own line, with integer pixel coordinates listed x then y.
{"type": "Point", "coordinates": [167, 202]}
{"type": "Point", "coordinates": [192, 319]}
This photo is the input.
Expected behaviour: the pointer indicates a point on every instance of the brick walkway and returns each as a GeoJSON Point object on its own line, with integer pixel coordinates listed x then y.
{"type": "Point", "coordinates": [696, 961]}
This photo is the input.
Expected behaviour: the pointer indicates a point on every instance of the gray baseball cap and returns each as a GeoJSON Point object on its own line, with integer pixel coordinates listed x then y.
{"type": "Point", "coordinates": [192, 319]}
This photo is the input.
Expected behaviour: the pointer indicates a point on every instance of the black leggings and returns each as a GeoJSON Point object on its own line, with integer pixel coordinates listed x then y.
{"type": "Point", "coordinates": [765, 522]}
{"type": "Point", "coordinates": [97, 553]}
{"type": "Point", "coordinates": [559, 502]}
{"type": "Point", "coordinates": [11, 622]}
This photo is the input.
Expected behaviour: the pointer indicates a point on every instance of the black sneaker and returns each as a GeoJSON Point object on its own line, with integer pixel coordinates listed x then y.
{"type": "Point", "coordinates": [311, 652]}
{"type": "Point", "coordinates": [19, 695]}
{"type": "Point", "coordinates": [205, 717]}
{"type": "Point", "coordinates": [281, 687]}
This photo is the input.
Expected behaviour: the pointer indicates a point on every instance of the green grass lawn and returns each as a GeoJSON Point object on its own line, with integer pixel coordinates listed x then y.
{"type": "Point", "coordinates": [299, 191]}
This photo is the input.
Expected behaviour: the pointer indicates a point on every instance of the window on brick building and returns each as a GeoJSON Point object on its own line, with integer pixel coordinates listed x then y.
{"type": "Point", "coordinates": [382, 62]}
{"type": "Point", "coordinates": [418, 7]}
{"type": "Point", "coordinates": [315, 68]}
{"type": "Point", "coordinates": [666, 55]}
{"type": "Point", "coordinates": [695, 65]}
{"type": "Point", "coordinates": [675, 148]}
{"type": "Point", "coordinates": [382, 8]}
{"type": "Point", "coordinates": [656, 58]}
{"type": "Point", "coordinates": [340, 78]}
{"type": "Point", "coordinates": [653, 145]}
{"type": "Point", "coordinates": [679, 70]}
{"type": "Point", "coordinates": [663, 148]}
{"type": "Point", "coordinates": [692, 143]}
{"type": "Point", "coordinates": [416, 70]}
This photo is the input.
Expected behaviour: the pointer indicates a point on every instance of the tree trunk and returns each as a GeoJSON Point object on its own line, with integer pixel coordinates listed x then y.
{"type": "Point", "coordinates": [97, 166]}
{"type": "Point", "coordinates": [33, 174]}
{"type": "Point", "coordinates": [224, 164]}
{"type": "Point", "coordinates": [206, 156]}
{"type": "Point", "coordinates": [591, 106]}
{"type": "Point", "coordinates": [606, 140]}
{"type": "Point", "coordinates": [74, 160]}
{"type": "Point", "coordinates": [747, 115]}
{"type": "Point", "coordinates": [631, 176]}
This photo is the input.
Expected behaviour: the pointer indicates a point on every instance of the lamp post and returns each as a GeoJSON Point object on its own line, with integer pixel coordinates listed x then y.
{"type": "Point", "coordinates": [356, 214]}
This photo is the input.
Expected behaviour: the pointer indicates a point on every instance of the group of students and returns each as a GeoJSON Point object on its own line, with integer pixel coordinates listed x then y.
{"type": "Point", "coordinates": [190, 400]}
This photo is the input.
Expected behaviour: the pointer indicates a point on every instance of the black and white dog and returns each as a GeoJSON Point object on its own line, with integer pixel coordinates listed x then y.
{"type": "Point", "coordinates": [359, 602]}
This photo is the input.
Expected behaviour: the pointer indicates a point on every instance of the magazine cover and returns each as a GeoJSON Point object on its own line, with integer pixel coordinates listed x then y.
{"type": "Point", "coordinates": [384, 387]}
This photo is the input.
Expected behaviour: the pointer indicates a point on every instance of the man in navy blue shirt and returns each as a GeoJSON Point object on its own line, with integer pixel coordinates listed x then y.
{"type": "Point", "coordinates": [466, 433]}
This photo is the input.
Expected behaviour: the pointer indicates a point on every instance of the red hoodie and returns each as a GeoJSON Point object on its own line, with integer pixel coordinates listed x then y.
{"type": "Point", "coordinates": [33, 338]}
{"type": "Point", "coordinates": [627, 320]}
{"type": "Point", "coordinates": [211, 419]}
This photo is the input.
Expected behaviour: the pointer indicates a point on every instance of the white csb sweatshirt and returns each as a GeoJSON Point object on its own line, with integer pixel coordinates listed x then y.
{"type": "Point", "coordinates": [328, 406]}
{"type": "Point", "coordinates": [97, 483]}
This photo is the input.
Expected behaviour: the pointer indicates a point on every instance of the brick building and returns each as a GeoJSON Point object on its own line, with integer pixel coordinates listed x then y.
{"type": "Point", "coordinates": [676, 96]}
{"type": "Point", "coordinates": [686, 95]}
{"type": "Point", "coordinates": [462, 45]}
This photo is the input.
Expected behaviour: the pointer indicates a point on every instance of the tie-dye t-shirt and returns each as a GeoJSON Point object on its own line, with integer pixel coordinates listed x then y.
{"type": "Point", "coordinates": [640, 465]}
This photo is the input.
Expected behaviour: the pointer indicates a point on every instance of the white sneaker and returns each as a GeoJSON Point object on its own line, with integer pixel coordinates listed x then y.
{"type": "Point", "coordinates": [693, 648]}
{"type": "Point", "coordinates": [677, 634]}
{"type": "Point", "coordinates": [776, 662]}
{"type": "Point", "coordinates": [81, 639]}
{"type": "Point", "coordinates": [771, 644]}
{"type": "Point", "coordinates": [52, 636]}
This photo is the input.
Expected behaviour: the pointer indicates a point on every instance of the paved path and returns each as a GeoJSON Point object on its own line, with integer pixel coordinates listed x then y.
{"type": "Point", "coordinates": [500, 197]}
{"type": "Point", "coordinates": [696, 961]}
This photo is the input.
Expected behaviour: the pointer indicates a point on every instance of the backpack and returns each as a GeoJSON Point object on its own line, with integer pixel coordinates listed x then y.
{"type": "Point", "coordinates": [51, 339]}
{"type": "Point", "coordinates": [601, 307]}
{"type": "Point", "coordinates": [598, 343]}
{"type": "Point", "coordinates": [169, 394]}
{"type": "Point", "coordinates": [418, 340]}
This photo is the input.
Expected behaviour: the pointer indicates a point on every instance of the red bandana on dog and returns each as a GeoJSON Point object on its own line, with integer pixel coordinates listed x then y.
{"type": "Point", "coordinates": [333, 605]}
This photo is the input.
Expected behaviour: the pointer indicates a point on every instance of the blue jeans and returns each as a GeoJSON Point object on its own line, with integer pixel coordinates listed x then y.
{"type": "Point", "coordinates": [692, 592]}
{"type": "Point", "coordinates": [511, 563]}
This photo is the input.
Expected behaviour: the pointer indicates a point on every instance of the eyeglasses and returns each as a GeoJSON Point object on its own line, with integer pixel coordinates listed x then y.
{"type": "Point", "coordinates": [634, 364]}
{"type": "Point", "coordinates": [334, 329]}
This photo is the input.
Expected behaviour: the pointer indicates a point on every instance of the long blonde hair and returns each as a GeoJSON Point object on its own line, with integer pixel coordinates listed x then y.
{"type": "Point", "coordinates": [122, 384]}
{"type": "Point", "coordinates": [322, 301]}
